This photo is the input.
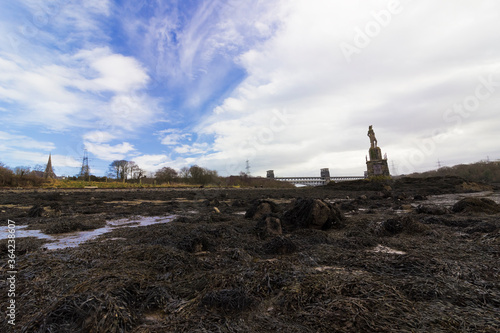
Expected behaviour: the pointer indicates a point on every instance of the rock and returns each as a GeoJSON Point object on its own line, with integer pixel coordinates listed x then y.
{"type": "Point", "coordinates": [400, 196]}
{"type": "Point", "coordinates": [476, 205]}
{"type": "Point", "coordinates": [269, 226]}
{"type": "Point", "coordinates": [432, 210]}
{"type": "Point", "coordinates": [216, 210]}
{"type": "Point", "coordinates": [194, 244]}
{"type": "Point", "coordinates": [393, 226]}
{"type": "Point", "coordinates": [213, 202]}
{"type": "Point", "coordinates": [403, 223]}
{"type": "Point", "coordinates": [382, 194]}
{"type": "Point", "coordinates": [260, 208]}
{"type": "Point", "coordinates": [349, 206]}
{"type": "Point", "coordinates": [419, 197]}
{"type": "Point", "coordinates": [238, 203]}
{"type": "Point", "coordinates": [362, 197]}
{"type": "Point", "coordinates": [36, 211]}
{"type": "Point", "coordinates": [313, 213]}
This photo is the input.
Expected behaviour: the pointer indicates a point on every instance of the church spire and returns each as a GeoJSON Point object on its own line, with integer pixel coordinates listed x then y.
{"type": "Point", "coordinates": [49, 173]}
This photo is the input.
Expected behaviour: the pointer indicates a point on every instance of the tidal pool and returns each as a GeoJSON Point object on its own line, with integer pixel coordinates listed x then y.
{"type": "Point", "coordinates": [73, 239]}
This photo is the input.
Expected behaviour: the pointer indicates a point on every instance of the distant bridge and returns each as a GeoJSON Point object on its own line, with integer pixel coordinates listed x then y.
{"type": "Point", "coordinates": [313, 181]}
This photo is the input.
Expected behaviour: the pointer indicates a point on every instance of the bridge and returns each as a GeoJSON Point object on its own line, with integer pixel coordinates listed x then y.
{"type": "Point", "coordinates": [323, 179]}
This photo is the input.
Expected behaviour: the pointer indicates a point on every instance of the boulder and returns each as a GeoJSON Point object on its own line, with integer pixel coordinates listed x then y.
{"type": "Point", "coordinates": [314, 214]}
{"type": "Point", "coordinates": [269, 225]}
{"type": "Point", "coordinates": [432, 210]}
{"type": "Point", "coordinates": [36, 211]}
{"type": "Point", "coordinates": [476, 205]}
{"type": "Point", "coordinates": [261, 208]}
{"type": "Point", "coordinates": [238, 203]}
{"type": "Point", "coordinates": [393, 226]}
{"type": "Point", "coordinates": [402, 223]}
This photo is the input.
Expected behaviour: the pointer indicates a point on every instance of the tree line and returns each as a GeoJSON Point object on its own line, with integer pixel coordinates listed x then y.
{"type": "Point", "coordinates": [21, 176]}
{"type": "Point", "coordinates": [130, 172]}
{"type": "Point", "coordinates": [123, 170]}
{"type": "Point", "coordinates": [483, 171]}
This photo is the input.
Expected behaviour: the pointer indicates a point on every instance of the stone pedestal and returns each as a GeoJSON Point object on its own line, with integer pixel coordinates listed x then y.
{"type": "Point", "coordinates": [375, 154]}
{"type": "Point", "coordinates": [377, 168]}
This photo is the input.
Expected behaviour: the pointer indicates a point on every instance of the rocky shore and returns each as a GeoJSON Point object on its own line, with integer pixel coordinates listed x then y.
{"type": "Point", "coordinates": [411, 255]}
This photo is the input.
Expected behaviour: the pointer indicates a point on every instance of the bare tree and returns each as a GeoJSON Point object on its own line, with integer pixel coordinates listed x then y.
{"type": "Point", "coordinates": [120, 168]}
{"type": "Point", "coordinates": [184, 173]}
{"type": "Point", "coordinates": [39, 167]}
{"type": "Point", "coordinates": [202, 176]}
{"type": "Point", "coordinates": [22, 170]}
{"type": "Point", "coordinates": [5, 174]}
{"type": "Point", "coordinates": [166, 174]}
{"type": "Point", "coordinates": [135, 171]}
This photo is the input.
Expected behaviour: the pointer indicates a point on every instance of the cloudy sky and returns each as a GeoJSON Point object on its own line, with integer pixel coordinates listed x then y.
{"type": "Point", "coordinates": [290, 85]}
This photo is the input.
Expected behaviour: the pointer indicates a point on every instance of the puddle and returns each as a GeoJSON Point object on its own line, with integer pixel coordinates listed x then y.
{"type": "Point", "coordinates": [21, 232]}
{"type": "Point", "coordinates": [448, 200]}
{"type": "Point", "coordinates": [73, 239]}
{"type": "Point", "coordinates": [384, 249]}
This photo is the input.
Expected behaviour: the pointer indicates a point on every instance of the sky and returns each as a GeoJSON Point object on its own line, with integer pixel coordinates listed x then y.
{"type": "Point", "coordinates": [289, 85]}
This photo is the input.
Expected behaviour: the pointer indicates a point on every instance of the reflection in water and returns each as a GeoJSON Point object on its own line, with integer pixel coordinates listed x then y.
{"type": "Point", "coordinates": [73, 239]}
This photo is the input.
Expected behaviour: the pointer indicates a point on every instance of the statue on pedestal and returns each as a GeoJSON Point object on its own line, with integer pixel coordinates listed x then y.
{"type": "Point", "coordinates": [376, 166]}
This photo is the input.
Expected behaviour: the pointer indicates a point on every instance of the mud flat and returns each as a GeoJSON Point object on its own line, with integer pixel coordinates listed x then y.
{"type": "Point", "coordinates": [413, 256]}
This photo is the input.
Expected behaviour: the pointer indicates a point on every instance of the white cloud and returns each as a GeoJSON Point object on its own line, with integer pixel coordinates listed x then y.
{"type": "Point", "coordinates": [194, 149]}
{"type": "Point", "coordinates": [24, 157]}
{"type": "Point", "coordinates": [109, 152]}
{"type": "Point", "coordinates": [172, 137]}
{"type": "Point", "coordinates": [195, 54]}
{"type": "Point", "coordinates": [402, 83]}
{"type": "Point", "coordinates": [22, 141]}
{"type": "Point", "coordinates": [152, 162]}
{"type": "Point", "coordinates": [98, 136]}
{"type": "Point", "coordinates": [106, 71]}
{"type": "Point", "coordinates": [71, 93]}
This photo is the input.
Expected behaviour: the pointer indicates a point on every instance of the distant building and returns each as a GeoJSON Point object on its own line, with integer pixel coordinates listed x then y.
{"type": "Point", "coordinates": [325, 173]}
{"type": "Point", "coordinates": [49, 172]}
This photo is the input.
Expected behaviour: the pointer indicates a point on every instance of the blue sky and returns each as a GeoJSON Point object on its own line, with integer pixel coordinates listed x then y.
{"type": "Point", "coordinates": [289, 85]}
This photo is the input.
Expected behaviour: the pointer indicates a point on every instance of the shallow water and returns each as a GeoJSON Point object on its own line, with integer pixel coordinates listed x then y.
{"type": "Point", "coordinates": [448, 200]}
{"type": "Point", "coordinates": [73, 239]}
